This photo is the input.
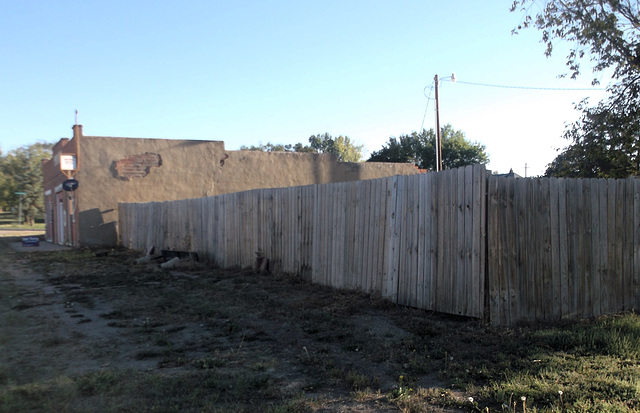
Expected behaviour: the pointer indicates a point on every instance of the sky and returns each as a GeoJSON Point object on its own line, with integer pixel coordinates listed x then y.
{"type": "Point", "coordinates": [252, 72]}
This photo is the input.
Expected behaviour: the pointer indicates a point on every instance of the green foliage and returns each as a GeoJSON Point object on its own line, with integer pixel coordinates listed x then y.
{"type": "Point", "coordinates": [342, 147]}
{"type": "Point", "coordinates": [21, 171]}
{"type": "Point", "coordinates": [419, 149]}
{"type": "Point", "coordinates": [604, 142]}
{"type": "Point", "coordinates": [270, 147]}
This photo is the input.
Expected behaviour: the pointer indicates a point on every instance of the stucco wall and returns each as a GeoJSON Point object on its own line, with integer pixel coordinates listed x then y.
{"type": "Point", "coordinates": [116, 170]}
{"type": "Point", "coordinates": [186, 169]}
{"type": "Point", "coordinates": [245, 170]}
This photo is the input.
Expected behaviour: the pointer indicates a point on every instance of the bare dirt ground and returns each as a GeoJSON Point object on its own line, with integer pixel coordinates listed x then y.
{"type": "Point", "coordinates": [203, 339]}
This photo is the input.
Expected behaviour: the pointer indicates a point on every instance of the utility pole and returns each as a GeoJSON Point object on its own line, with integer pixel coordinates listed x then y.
{"type": "Point", "coordinates": [438, 143]}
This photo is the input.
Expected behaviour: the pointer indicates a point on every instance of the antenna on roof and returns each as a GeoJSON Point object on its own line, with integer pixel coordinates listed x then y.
{"type": "Point", "coordinates": [76, 116]}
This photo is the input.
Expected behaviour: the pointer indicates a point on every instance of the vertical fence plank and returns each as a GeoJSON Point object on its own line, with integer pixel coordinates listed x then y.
{"type": "Point", "coordinates": [422, 242]}
{"type": "Point", "coordinates": [572, 250]}
{"type": "Point", "coordinates": [402, 216]}
{"type": "Point", "coordinates": [619, 241]}
{"type": "Point", "coordinates": [451, 241]}
{"type": "Point", "coordinates": [556, 302]}
{"type": "Point", "coordinates": [284, 229]}
{"type": "Point", "coordinates": [612, 274]}
{"type": "Point", "coordinates": [349, 235]}
{"type": "Point", "coordinates": [405, 271]}
{"type": "Point", "coordinates": [412, 233]}
{"type": "Point", "coordinates": [497, 299]}
{"type": "Point", "coordinates": [587, 292]}
{"type": "Point", "coordinates": [470, 278]}
{"type": "Point", "coordinates": [327, 207]}
{"type": "Point", "coordinates": [594, 250]}
{"type": "Point", "coordinates": [627, 246]}
{"type": "Point", "coordinates": [478, 237]}
{"type": "Point", "coordinates": [564, 246]}
{"type": "Point", "coordinates": [383, 223]}
{"type": "Point", "coordinates": [358, 235]}
{"type": "Point", "coordinates": [365, 257]}
{"type": "Point", "coordinates": [547, 295]}
{"type": "Point", "coordinates": [340, 235]}
{"type": "Point", "coordinates": [315, 235]}
{"type": "Point", "coordinates": [440, 233]}
{"type": "Point", "coordinates": [636, 243]}
{"type": "Point", "coordinates": [371, 236]}
{"type": "Point", "coordinates": [433, 240]}
{"type": "Point", "coordinates": [515, 307]}
{"type": "Point", "coordinates": [603, 204]}
{"type": "Point", "coordinates": [522, 244]}
{"type": "Point", "coordinates": [578, 243]}
{"type": "Point", "coordinates": [333, 239]}
{"type": "Point", "coordinates": [390, 286]}
{"type": "Point", "coordinates": [459, 276]}
{"type": "Point", "coordinates": [377, 201]}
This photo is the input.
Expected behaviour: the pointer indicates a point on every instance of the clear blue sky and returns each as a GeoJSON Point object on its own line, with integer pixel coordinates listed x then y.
{"type": "Point", "coordinates": [251, 72]}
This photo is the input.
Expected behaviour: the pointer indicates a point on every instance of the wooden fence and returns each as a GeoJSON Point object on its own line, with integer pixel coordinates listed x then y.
{"type": "Point", "coordinates": [459, 241]}
{"type": "Point", "coordinates": [562, 248]}
{"type": "Point", "coordinates": [417, 240]}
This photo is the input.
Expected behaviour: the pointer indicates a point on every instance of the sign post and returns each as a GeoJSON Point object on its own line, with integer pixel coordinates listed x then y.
{"type": "Point", "coordinates": [21, 195]}
{"type": "Point", "coordinates": [68, 165]}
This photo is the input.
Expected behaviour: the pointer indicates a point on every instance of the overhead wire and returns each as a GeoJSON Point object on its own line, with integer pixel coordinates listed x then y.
{"type": "Point", "coordinates": [528, 87]}
{"type": "Point", "coordinates": [427, 107]}
{"type": "Point", "coordinates": [431, 87]}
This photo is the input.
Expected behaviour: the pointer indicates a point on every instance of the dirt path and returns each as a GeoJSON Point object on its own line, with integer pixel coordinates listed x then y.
{"type": "Point", "coordinates": [265, 339]}
{"type": "Point", "coordinates": [44, 335]}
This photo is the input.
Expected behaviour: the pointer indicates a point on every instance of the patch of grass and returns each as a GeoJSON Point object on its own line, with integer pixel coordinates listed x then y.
{"type": "Point", "coordinates": [115, 391]}
{"type": "Point", "coordinates": [53, 341]}
{"type": "Point", "coordinates": [296, 405]}
{"type": "Point", "coordinates": [584, 366]}
{"type": "Point", "coordinates": [357, 381]}
{"type": "Point", "coordinates": [100, 382]}
{"type": "Point", "coordinates": [207, 363]}
{"type": "Point", "coordinates": [148, 354]}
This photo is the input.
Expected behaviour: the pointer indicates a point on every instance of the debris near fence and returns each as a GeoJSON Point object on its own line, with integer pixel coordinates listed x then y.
{"type": "Point", "coordinates": [189, 255]}
{"type": "Point", "coordinates": [262, 263]}
{"type": "Point", "coordinates": [170, 264]}
{"type": "Point", "coordinates": [171, 257]}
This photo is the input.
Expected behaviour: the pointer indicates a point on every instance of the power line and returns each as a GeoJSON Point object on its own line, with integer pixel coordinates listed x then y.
{"type": "Point", "coordinates": [431, 87]}
{"type": "Point", "coordinates": [426, 108]}
{"type": "Point", "coordinates": [528, 87]}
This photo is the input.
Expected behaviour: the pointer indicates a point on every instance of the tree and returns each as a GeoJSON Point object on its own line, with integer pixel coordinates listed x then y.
{"type": "Point", "coordinates": [604, 141]}
{"type": "Point", "coordinates": [22, 171]}
{"type": "Point", "coordinates": [419, 149]}
{"type": "Point", "coordinates": [278, 147]}
{"type": "Point", "coordinates": [342, 147]}
{"type": "Point", "coordinates": [605, 145]}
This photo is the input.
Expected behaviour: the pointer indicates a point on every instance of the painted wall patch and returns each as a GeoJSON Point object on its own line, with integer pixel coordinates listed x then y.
{"type": "Point", "coordinates": [136, 166]}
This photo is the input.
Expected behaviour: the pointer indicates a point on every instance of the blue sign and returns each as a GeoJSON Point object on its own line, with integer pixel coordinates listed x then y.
{"type": "Point", "coordinates": [30, 241]}
{"type": "Point", "coordinates": [70, 185]}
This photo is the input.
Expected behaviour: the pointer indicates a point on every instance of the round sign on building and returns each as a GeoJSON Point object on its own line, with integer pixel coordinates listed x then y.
{"type": "Point", "coordinates": [70, 185]}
